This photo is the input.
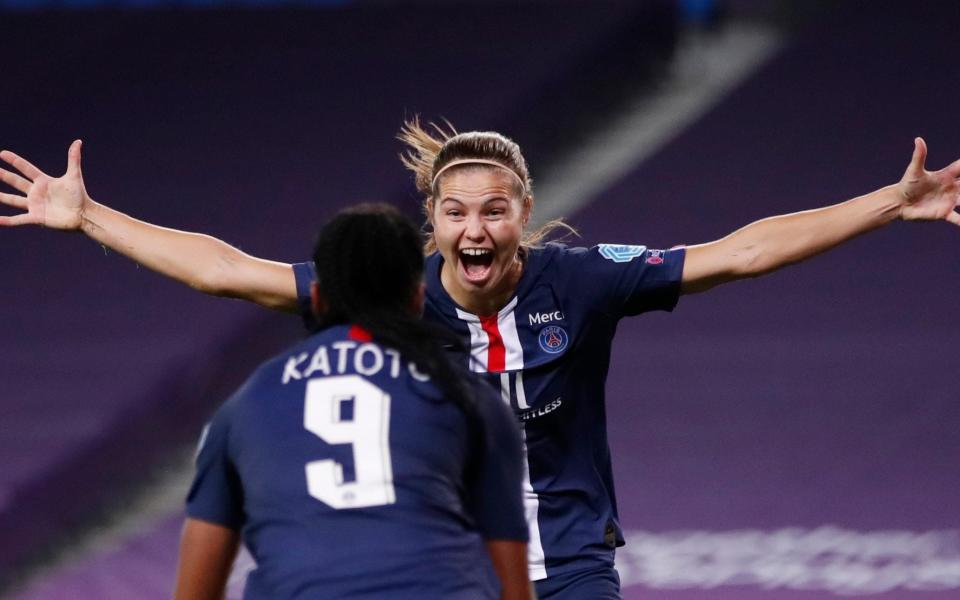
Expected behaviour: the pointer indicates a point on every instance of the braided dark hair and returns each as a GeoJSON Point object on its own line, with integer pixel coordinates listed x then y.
{"type": "Point", "coordinates": [369, 268]}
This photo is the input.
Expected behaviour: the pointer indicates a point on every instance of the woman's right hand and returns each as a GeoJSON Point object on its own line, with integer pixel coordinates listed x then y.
{"type": "Point", "coordinates": [200, 261]}
{"type": "Point", "coordinates": [53, 202]}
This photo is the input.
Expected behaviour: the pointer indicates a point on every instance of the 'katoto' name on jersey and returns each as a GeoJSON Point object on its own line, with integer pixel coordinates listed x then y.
{"type": "Point", "coordinates": [347, 357]}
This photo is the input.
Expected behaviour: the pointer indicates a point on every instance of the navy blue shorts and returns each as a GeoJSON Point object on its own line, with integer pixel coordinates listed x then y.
{"type": "Point", "coordinates": [595, 584]}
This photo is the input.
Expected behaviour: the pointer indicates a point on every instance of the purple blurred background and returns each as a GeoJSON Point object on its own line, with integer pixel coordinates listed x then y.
{"type": "Point", "coordinates": [796, 436]}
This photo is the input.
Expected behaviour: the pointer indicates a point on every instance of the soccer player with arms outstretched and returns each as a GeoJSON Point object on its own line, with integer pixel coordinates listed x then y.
{"type": "Point", "coordinates": [539, 319]}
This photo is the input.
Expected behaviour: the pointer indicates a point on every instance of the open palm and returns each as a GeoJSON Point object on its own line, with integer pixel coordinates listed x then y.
{"type": "Point", "coordinates": [54, 202]}
{"type": "Point", "coordinates": [929, 195]}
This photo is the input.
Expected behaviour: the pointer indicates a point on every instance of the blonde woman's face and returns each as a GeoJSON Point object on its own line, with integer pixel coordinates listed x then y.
{"type": "Point", "coordinates": [478, 219]}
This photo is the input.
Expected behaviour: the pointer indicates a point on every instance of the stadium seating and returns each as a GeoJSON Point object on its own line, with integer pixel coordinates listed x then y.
{"type": "Point", "coordinates": [815, 408]}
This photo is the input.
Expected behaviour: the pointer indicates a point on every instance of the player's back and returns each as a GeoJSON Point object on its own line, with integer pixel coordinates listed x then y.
{"type": "Point", "coordinates": [349, 472]}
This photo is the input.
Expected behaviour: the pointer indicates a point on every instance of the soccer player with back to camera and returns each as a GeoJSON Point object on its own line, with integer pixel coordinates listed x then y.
{"type": "Point", "coordinates": [539, 318]}
{"type": "Point", "coordinates": [436, 456]}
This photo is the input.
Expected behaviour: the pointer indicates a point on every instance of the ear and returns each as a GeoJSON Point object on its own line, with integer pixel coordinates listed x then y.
{"type": "Point", "coordinates": [428, 208]}
{"type": "Point", "coordinates": [419, 297]}
{"type": "Point", "coordinates": [317, 303]}
{"type": "Point", "coordinates": [527, 208]}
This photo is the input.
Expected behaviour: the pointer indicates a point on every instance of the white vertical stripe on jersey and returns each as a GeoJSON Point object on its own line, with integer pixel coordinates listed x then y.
{"type": "Point", "coordinates": [507, 324]}
{"type": "Point", "coordinates": [521, 393]}
{"type": "Point", "coordinates": [479, 342]}
{"type": "Point", "coordinates": [535, 558]}
{"type": "Point", "coordinates": [479, 345]}
{"type": "Point", "coordinates": [505, 387]}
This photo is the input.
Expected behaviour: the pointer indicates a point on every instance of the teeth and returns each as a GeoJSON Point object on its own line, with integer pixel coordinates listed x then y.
{"type": "Point", "coordinates": [475, 251]}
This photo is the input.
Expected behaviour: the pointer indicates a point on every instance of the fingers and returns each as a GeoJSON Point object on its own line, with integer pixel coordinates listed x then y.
{"type": "Point", "coordinates": [73, 158]}
{"type": "Point", "coordinates": [21, 164]}
{"type": "Point", "coordinates": [919, 156]}
{"type": "Point", "coordinates": [953, 217]}
{"type": "Point", "coordinates": [953, 169]}
{"type": "Point", "coordinates": [13, 200]}
{"type": "Point", "coordinates": [24, 219]}
{"type": "Point", "coordinates": [15, 181]}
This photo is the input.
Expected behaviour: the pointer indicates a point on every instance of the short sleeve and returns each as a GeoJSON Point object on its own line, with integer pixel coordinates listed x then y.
{"type": "Point", "coordinates": [305, 274]}
{"type": "Point", "coordinates": [216, 495]}
{"type": "Point", "coordinates": [495, 492]}
{"type": "Point", "coordinates": [629, 280]}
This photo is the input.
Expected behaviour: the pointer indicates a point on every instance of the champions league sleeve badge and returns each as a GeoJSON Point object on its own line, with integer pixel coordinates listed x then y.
{"type": "Point", "coordinates": [553, 339]}
{"type": "Point", "coordinates": [620, 253]}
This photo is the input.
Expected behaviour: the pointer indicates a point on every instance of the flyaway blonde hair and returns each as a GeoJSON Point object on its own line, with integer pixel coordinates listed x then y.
{"type": "Point", "coordinates": [430, 149]}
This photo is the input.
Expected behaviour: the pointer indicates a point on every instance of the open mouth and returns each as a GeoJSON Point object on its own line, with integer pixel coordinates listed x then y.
{"type": "Point", "coordinates": [476, 263]}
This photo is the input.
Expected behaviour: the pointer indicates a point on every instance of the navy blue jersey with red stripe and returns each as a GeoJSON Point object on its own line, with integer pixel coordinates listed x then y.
{"type": "Point", "coordinates": [350, 476]}
{"type": "Point", "coordinates": [548, 352]}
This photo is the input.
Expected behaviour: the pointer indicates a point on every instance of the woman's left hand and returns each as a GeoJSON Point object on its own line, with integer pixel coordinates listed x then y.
{"type": "Point", "coordinates": [929, 195]}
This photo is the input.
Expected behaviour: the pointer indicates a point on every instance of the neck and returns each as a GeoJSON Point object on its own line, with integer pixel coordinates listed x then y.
{"type": "Point", "coordinates": [482, 302]}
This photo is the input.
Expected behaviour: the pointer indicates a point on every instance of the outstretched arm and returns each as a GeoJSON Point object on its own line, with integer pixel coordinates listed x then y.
{"type": "Point", "coordinates": [769, 244]}
{"type": "Point", "coordinates": [200, 261]}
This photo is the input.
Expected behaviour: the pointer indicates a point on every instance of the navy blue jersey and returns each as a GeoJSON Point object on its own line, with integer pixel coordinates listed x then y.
{"type": "Point", "coordinates": [351, 477]}
{"type": "Point", "coordinates": [547, 352]}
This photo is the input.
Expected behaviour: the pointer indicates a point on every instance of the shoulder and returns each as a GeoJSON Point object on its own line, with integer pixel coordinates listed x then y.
{"type": "Point", "coordinates": [550, 259]}
{"type": "Point", "coordinates": [617, 253]}
{"type": "Point", "coordinates": [553, 251]}
{"type": "Point", "coordinates": [612, 256]}
{"type": "Point", "coordinates": [557, 256]}
{"type": "Point", "coordinates": [286, 367]}
{"type": "Point", "coordinates": [434, 259]}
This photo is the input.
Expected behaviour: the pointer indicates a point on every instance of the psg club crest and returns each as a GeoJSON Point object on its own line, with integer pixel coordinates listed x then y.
{"type": "Point", "coordinates": [553, 339]}
{"type": "Point", "coordinates": [655, 257]}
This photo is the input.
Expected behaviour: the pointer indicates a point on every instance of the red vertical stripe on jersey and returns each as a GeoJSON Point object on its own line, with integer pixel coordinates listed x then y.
{"type": "Point", "coordinates": [496, 352]}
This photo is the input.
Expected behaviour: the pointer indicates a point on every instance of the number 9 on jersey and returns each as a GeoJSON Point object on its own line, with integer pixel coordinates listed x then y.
{"type": "Point", "coordinates": [350, 410]}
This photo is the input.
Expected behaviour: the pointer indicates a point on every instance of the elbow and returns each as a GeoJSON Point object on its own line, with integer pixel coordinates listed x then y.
{"type": "Point", "coordinates": [748, 262]}
{"type": "Point", "coordinates": [235, 275]}
{"type": "Point", "coordinates": [755, 262]}
{"type": "Point", "coordinates": [218, 279]}
{"type": "Point", "coordinates": [210, 285]}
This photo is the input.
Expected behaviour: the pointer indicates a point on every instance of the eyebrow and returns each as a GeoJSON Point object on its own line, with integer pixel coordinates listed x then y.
{"type": "Point", "coordinates": [485, 202]}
